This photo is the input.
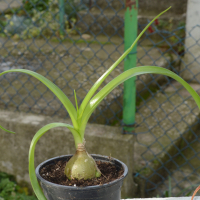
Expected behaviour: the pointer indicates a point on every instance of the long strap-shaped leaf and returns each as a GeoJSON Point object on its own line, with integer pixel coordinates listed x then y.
{"type": "Point", "coordinates": [42, 131]}
{"type": "Point", "coordinates": [56, 90]}
{"type": "Point", "coordinates": [104, 76]}
{"type": "Point", "coordinates": [94, 102]}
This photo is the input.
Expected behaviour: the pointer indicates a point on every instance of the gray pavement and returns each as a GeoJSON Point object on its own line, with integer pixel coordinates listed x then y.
{"type": "Point", "coordinates": [6, 4]}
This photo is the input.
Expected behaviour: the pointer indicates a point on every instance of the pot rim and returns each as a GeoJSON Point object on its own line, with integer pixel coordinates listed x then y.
{"type": "Point", "coordinates": [86, 187]}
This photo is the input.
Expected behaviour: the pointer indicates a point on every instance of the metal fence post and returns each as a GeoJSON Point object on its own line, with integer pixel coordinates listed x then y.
{"type": "Point", "coordinates": [61, 16]}
{"type": "Point", "coordinates": [129, 97]}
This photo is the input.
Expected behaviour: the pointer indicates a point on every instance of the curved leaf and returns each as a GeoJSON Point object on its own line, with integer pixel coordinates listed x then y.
{"type": "Point", "coordinates": [55, 89]}
{"type": "Point", "coordinates": [104, 76]}
{"type": "Point", "coordinates": [34, 182]}
{"type": "Point", "coordinates": [1, 127]}
{"type": "Point", "coordinates": [94, 102]}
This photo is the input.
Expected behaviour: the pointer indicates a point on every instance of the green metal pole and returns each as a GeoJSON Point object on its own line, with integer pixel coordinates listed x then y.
{"type": "Point", "coordinates": [61, 17]}
{"type": "Point", "coordinates": [129, 98]}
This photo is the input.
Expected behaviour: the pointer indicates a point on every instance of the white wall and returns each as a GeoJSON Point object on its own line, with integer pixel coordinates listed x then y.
{"type": "Point", "coordinates": [191, 65]}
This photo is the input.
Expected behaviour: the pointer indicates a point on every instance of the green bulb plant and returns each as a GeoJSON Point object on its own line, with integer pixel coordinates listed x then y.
{"type": "Point", "coordinates": [80, 115]}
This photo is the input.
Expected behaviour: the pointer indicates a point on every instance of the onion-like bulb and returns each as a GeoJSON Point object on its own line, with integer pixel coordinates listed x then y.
{"type": "Point", "coordinates": [81, 165]}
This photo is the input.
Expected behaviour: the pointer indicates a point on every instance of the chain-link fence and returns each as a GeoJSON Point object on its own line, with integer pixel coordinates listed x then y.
{"type": "Point", "coordinates": [167, 147]}
{"type": "Point", "coordinates": [72, 45]}
{"type": "Point", "coordinates": [72, 56]}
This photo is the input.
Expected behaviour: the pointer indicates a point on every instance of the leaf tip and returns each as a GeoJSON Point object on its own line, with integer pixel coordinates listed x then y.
{"type": "Point", "coordinates": [6, 130]}
{"type": "Point", "coordinates": [11, 132]}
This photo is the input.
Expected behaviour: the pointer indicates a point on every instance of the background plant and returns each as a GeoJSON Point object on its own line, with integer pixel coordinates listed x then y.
{"type": "Point", "coordinates": [40, 18]}
{"type": "Point", "coordinates": [9, 190]}
{"type": "Point", "coordinates": [39, 5]}
{"type": "Point", "coordinates": [175, 37]}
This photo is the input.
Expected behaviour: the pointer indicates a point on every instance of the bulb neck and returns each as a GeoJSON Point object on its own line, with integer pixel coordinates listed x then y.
{"type": "Point", "coordinates": [81, 147]}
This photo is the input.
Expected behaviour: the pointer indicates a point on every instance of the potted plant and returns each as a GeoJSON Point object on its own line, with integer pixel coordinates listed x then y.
{"type": "Point", "coordinates": [82, 168]}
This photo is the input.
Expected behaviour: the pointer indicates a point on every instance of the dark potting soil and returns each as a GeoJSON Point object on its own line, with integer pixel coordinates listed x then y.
{"type": "Point", "coordinates": [55, 173]}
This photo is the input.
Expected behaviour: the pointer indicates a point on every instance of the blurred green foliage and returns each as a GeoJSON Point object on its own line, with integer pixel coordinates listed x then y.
{"type": "Point", "coordinates": [9, 190]}
{"type": "Point", "coordinates": [39, 5]}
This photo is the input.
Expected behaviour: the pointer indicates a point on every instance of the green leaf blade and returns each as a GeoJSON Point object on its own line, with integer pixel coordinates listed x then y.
{"type": "Point", "coordinates": [1, 127]}
{"type": "Point", "coordinates": [34, 182]}
{"type": "Point", "coordinates": [56, 90]}
{"type": "Point", "coordinates": [105, 75]}
{"type": "Point", "coordinates": [96, 100]}
{"type": "Point", "coordinates": [76, 100]}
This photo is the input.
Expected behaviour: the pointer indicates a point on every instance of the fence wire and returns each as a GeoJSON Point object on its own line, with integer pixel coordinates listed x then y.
{"type": "Point", "coordinates": [72, 45]}
{"type": "Point", "coordinates": [167, 157]}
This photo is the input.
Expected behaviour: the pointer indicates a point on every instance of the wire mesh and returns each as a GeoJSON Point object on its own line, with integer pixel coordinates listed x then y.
{"type": "Point", "coordinates": [168, 119]}
{"type": "Point", "coordinates": [73, 45]}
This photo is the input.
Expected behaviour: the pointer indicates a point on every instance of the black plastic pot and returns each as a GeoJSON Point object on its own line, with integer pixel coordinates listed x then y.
{"type": "Point", "coordinates": [109, 191]}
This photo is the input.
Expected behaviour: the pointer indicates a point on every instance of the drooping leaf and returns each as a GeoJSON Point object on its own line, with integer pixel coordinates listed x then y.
{"type": "Point", "coordinates": [94, 102]}
{"type": "Point", "coordinates": [36, 187]}
{"type": "Point", "coordinates": [55, 89]}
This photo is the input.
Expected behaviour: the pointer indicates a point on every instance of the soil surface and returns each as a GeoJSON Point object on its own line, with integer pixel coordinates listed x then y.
{"type": "Point", "coordinates": [55, 173]}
